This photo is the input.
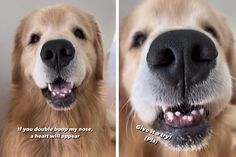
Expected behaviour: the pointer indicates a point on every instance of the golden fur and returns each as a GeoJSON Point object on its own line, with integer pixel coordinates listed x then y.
{"type": "Point", "coordinates": [28, 108]}
{"type": "Point", "coordinates": [144, 17]}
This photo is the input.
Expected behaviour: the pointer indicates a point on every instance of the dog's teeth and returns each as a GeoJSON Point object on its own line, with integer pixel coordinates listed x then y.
{"type": "Point", "coordinates": [185, 117]}
{"type": "Point", "coordinates": [201, 111]}
{"type": "Point", "coordinates": [65, 92]}
{"type": "Point", "coordinates": [58, 92]}
{"type": "Point", "coordinates": [194, 112]}
{"type": "Point", "coordinates": [50, 87]}
{"type": "Point", "coordinates": [62, 95]}
{"type": "Point", "coordinates": [69, 91]}
{"type": "Point", "coordinates": [164, 108]}
{"type": "Point", "coordinates": [53, 93]}
{"type": "Point", "coordinates": [71, 84]}
{"type": "Point", "coordinates": [170, 115]}
{"type": "Point", "coordinates": [190, 118]}
{"type": "Point", "coordinates": [177, 113]}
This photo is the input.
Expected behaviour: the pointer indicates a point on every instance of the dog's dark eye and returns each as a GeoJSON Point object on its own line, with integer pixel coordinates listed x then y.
{"type": "Point", "coordinates": [212, 31]}
{"type": "Point", "coordinates": [79, 33]}
{"type": "Point", "coordinates": [139, 39]}
{"type": "Point", "coordinates": [34, 38]}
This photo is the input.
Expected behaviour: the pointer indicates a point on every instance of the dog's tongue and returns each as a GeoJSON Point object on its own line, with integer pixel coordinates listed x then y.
{"type": "Point", "coordinates": [60, 90]}
{"type": "Point", "coordinates": [178, 119]}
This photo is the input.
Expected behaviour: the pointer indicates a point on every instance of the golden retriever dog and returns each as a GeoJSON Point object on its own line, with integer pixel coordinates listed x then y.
{"type": "Point", "coordinates": [177, 66]}
{"type": "Point", "coordinates": [56, 82]}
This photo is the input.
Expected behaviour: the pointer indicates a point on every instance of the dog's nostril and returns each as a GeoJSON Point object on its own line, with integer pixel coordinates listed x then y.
{"type": "Point", "coordinates": [47, 55]}
{"type": "Point", "coordinates": [165, 57]}
{"type": "Point", "coordinates": [65, 52]}
{"type": "Point", "coordinates": [196, 53]}
{"type": "Point", "coordinates": [199, 54]}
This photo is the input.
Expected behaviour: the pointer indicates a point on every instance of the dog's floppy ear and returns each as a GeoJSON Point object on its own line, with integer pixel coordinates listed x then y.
{"type": "Point", "coordinates": [98, 44]}
{"type": "Point", "coordinates": [16, 55]}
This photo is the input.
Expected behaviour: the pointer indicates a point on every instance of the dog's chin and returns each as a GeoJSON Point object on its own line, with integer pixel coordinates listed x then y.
{"type": "Point", "coordinates": [60, 94]}
{"type": "Point", "coordinates": [188, 126]}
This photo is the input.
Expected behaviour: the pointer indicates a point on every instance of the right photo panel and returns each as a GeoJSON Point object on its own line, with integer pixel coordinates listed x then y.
{"type": "Point", "coordinates": [177, 78]}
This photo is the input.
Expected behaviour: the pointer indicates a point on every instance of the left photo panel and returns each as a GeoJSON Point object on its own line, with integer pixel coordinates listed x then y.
{"type": "Point", "coordinates": [58, 78]}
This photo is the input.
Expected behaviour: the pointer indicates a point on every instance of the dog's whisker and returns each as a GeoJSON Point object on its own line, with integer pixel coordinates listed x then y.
{"type": "Point", "coordinates": [125, 104]}
{"type": "Point", "coordinates": [129, 123]}
{"type": "Point", "coordinates": [133, 124]}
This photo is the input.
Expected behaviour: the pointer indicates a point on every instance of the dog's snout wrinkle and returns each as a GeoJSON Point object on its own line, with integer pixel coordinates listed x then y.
{"type": "Point", "coordinates": [57, 54]}
{"type": "Point", "coordinates": [182, 58]}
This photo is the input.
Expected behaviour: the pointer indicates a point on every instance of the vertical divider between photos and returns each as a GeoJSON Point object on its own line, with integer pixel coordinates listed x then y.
{"type": "Point", "coordinates": [117, 77]}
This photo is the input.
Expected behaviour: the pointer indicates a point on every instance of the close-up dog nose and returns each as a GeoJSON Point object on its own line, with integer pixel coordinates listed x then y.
{"type": "Point", "coordinates": [57, 54]}
{"type": "Point", "coordinates": [182, 57]}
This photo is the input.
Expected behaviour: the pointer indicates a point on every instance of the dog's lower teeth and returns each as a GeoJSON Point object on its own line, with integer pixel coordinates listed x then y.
{"type": "Point", "coordinates": [177, 113]}
{"type": "Point", "coordinates": [65, 92]}
{"type": "Point", "coordinates": [190, 118]}
{"type": "Point", "coordinates": [176, 118]}
{"type": "Point", "coordinates": [201, 111]}
{"type": "Point", "coordinates": [170, 115]}
{"type": "Point", "coordinates": [194, 112]}
{"type": "Point", "coordinates": [185, 117]}
{"type": "Point", "coordinates": [62, 95]}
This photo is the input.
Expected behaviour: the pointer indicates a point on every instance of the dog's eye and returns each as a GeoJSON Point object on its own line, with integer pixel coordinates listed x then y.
{"type": "Point", "coordinates": [139, 39]}
{"type": "Point", "coordinates": [79, 33]}
{"type": "Point", "coordinates": [34, 38]}
{"type": "Point", "coordinates": [212, 31]}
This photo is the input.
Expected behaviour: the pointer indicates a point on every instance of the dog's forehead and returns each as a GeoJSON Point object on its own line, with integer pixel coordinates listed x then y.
{"type": "Point", "coordinates": [178, 11]}
{"type": "Point", "coordinates": [165, 15]}
{"type": "Point", "coordinates": [58, 17]}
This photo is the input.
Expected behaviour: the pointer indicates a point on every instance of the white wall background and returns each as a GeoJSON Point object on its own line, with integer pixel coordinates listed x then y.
{"type": "Point", "coordinates": [226, 7]}
{"type": "Point", "coordinates": [11, 11]}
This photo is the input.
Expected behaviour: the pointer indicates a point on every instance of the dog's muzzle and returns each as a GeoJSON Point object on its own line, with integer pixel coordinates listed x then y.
{"type": "Point", "coordinates": [182, 59]}
{"type": "Point", "coordinates": [57, 55]}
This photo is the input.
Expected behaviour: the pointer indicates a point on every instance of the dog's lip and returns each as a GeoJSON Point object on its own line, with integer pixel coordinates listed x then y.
{"type": "Point", "coordinates": [188, 133]}
{"type": "Point", "coordinates": [185, 138]}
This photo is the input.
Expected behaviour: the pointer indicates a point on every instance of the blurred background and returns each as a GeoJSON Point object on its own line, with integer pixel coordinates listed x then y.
{"type": "Point", "coordinates": [12, 11]}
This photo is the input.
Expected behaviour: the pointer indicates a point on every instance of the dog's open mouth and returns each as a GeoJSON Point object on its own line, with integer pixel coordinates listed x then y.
{"type": "Point", "coordinates": [60, 94]}
{"type": "Point", "coordinates": [188, 125]}
{"type": "Point", "coordinates": [178, 117]}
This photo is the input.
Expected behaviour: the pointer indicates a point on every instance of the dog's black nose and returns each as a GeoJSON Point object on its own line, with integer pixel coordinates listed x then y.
{"type": "Point", "coordinates": [182, 57]}
{"type": "Point", "coordinates": [57, 54]}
